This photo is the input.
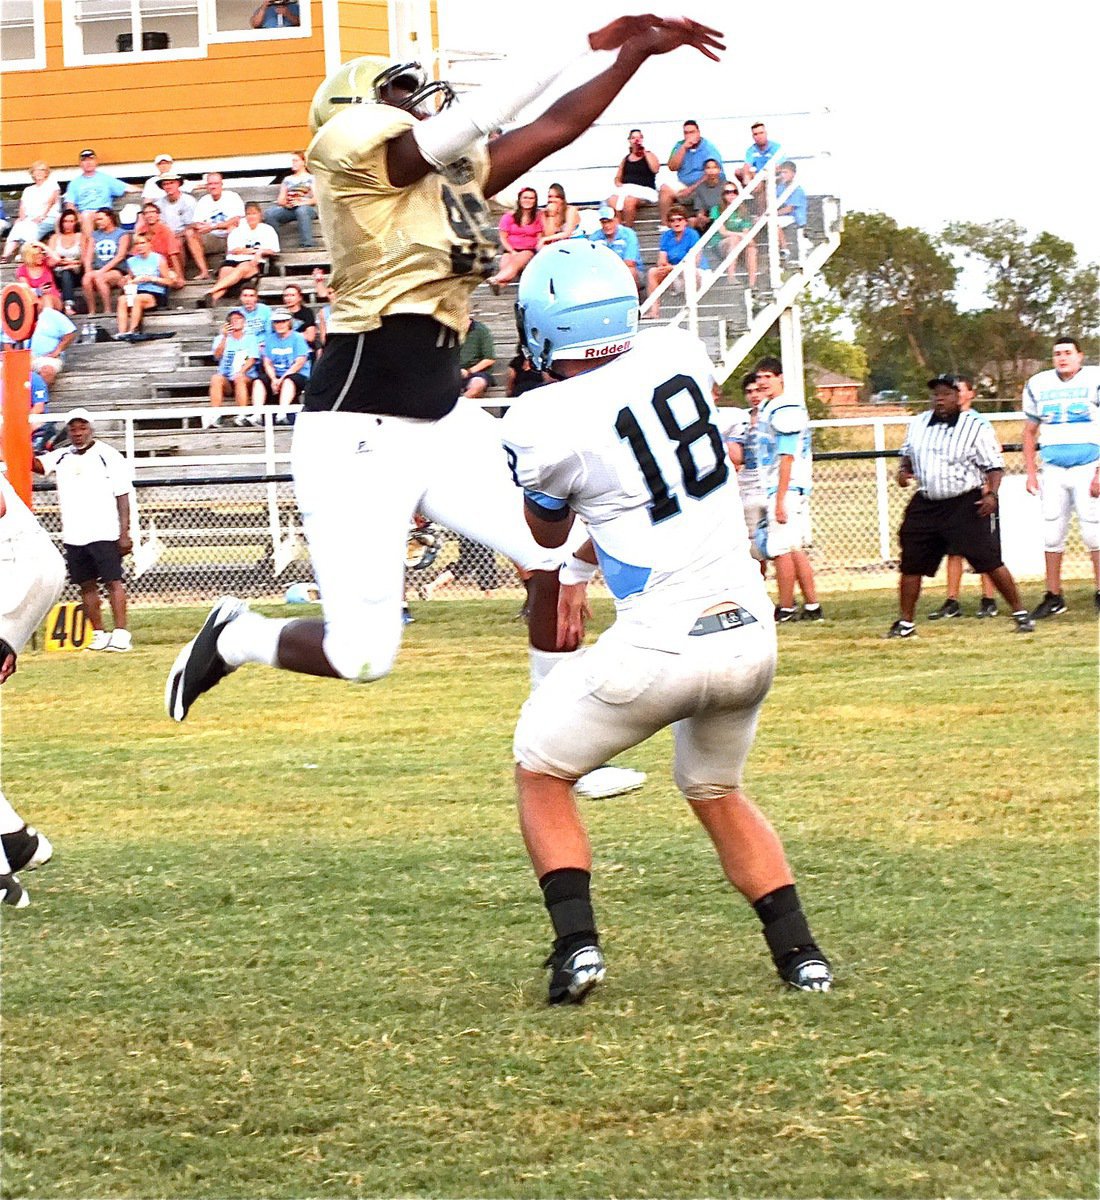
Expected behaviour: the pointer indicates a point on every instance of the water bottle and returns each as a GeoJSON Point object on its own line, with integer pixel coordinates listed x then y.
{"type": "Point", "coordinates": [87, 333]}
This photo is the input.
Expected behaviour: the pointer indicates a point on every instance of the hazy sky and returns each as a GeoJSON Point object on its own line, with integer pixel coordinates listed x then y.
{"type": "Point", "coordinates": [960, 110]}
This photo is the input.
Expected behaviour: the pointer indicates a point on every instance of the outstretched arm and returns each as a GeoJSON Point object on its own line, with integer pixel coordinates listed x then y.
{"type": "Point", "coordinates": [565, 120]}
{"type": "Point", "coordinates": [447, 136]}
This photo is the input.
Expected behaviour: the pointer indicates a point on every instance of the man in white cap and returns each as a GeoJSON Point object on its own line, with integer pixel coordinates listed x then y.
{"type": "Point", "coordinates": [620, 239]}
{"type": "Point", "coordinates": [164, 164]}
{"type": "Point", "coordinates": [93, 493]}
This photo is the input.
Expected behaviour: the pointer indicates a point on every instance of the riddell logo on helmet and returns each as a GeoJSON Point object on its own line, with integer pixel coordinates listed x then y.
{"type": "Point", "coordinates": [608, 348]}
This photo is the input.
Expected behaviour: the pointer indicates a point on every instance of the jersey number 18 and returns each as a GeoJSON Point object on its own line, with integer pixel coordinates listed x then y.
{"type": "Point", "coordinates": [662, 503]}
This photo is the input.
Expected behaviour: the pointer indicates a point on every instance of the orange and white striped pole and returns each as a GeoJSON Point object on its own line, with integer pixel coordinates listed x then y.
{"type": "Point", "coordinates": [19, 311]}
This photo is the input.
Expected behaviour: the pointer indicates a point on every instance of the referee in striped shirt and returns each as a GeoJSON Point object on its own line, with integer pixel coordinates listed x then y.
{"type": "Point", "coordinates": [956, 461]}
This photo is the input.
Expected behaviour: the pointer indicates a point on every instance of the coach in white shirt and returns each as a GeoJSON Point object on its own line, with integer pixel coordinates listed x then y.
{"type": "Point", "coordinates": [956, 460]}
{"type": "Point", "coordinates": [93, 494]}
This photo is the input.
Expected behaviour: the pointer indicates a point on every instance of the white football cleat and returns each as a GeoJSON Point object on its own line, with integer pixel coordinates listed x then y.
{"type": "Point", "coordinates": [609, 781]}
{"type": "Point", "coordinates": [101, 639]}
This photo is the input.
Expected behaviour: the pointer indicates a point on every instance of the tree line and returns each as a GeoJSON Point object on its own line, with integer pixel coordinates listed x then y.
{"type": "Point", "coordinates": [897, 288]}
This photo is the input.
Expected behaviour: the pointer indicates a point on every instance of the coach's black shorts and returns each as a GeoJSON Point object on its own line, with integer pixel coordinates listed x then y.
{"type": "Point", "coordinates": [408, 367]}
{"type": "Point", "coordinates": [96, 560]}
{"type": "Point", "coordinates": [932, 528]}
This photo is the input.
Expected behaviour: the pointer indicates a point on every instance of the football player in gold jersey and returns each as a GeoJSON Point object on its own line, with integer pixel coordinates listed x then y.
{"type": "Point", "coordinates": [402, 171]}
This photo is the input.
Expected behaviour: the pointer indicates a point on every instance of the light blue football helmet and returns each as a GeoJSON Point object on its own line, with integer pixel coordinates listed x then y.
{"type": "Point", "coordinates": [576, 300]}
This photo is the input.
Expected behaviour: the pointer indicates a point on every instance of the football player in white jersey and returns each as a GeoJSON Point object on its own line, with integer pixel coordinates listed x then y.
{"type": "Point", "coordinates": [742, 442]}
{"type": "Point", "coordinates": [783, 435]}
{"type": "Point", "coordinates": [628, 442]}
{"type": "Point", "coordinates": [401, 193]}
{"type": "Point", "coordinates": [1062, 407]}
{"type": "Point", "coordinates": [32, 575]}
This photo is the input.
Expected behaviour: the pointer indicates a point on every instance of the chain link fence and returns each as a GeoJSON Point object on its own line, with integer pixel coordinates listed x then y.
{"type": "Point", "coordinates": [196, 540]}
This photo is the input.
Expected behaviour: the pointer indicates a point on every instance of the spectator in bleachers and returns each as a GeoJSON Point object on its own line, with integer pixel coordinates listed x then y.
{"type": "Point", "coordinates": [286, 363]}
{"type": "Point", "coordinates": [476, 358]}
{"type": "Point", "coordinates": [276, 14]}
{"type": "Point", "coordinates": [257, 315]}
{"type": "Point", "coordinates": [792, 210]}
{"type": "Point", "coordinates": [66, 252]}
{"type": "Point", "coordinates": [146, 286]}
{"type": "Point", "coordinates": [93, 189]}
{"type": "Point", "coordinates": [674, 245]}
{"type": "Point", "coordinates": [762, 151]}
{"type": "Point", "coordinates": [322, 290]}
{"type": "Point", "coordinates": [522, 376]}
{"type": "Point", "coordinates": [178, 210]}
{"type": "Point", "coordinates": [34, 271]}
{"type": "Point", "coordinates": [324, 320]}
{"type": "Point", "coordinates": [237, 354]}
{"type": "Point", "coordinates": [635, 180]}
{"type": "Point", "coordinates": [520, 235]}
{"type": "Point", "coordinates": [43, 436]}
{"type": "Point", "coordinates": [706, 200]}
{"type": "Point", "coordinates": [687, 159]}
{"type": "Point", "coordinates": [164, 164]}
{"type": "Point", "coordinates": [53, 334]}
{"type": "Point", "coordinates": [39, 209]}
{"type": "Point", "coordinates": [163, 241]}
{"type": "Point", "coordinates": [217, 214]}
{"type": "Point", "coordinates": [559, 218]}
{"type": "Point", "coordinates": [305, 320]}
{"type": "Point", "coordinates": [296, 201]}
{"type": "Point", "coordinates": [249, 251]}
{"type": "Point", "coordinates": [5, 223]}
{"type": "Point", "coordinates": [619, 238]}
{"type": "Point", "coordinates": [735, 231]}
{"type": "Point", "coordinates": [106, 251]}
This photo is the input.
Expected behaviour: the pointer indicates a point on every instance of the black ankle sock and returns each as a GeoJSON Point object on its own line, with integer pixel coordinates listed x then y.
{"type": "Point", "coordinates": [785, 927]}
{"type": "Point", "coordinates": [565, 893]}
{"type": "Point", "coordinates": [777, 904]}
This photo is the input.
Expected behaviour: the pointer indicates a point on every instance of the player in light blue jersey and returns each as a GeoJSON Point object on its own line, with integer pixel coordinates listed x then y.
{"type": "Point", "coordinates": [628, 441]}
{"type": "Point", "coordinates": [786, 456]}
{"type": "Point", "coordinates": [742, 441]}
{"type": "Point", "coordinates": [1062, 407]}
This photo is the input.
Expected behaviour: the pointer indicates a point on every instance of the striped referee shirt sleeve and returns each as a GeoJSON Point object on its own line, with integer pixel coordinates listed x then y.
{"type": "Point", "coordinates": [987, 450]}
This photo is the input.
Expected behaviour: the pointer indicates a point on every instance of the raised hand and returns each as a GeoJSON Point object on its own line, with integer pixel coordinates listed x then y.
{"type": "Point", "coordinates": [658, 35]}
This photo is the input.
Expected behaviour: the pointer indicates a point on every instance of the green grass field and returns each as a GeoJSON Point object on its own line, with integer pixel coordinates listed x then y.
{"type": "Point", "coordinates": [293, 947]}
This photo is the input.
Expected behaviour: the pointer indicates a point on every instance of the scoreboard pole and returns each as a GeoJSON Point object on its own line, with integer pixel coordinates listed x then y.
{"type": "Point", "coordinates": [19, 310]}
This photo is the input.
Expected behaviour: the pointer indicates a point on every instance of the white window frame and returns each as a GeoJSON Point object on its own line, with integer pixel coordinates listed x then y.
{"type": "Point", "coordinates": [214, 37]}
{"type": "Point", "coordinates": [73, 42]}
{"type": "Point", "coordinates": [37, 62]}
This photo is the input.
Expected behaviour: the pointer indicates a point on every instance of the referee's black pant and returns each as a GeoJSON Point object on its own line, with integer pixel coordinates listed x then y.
{"type": "Point", "coordinates": [932, 528]}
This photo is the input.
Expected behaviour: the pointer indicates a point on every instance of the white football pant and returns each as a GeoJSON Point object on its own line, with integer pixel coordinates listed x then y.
{"type": "Point", "coordinates": [358, 479]}
{"type": "Point", "coordinates": [1063, 490]}
{"type": "Point", "coordinates": [614, 695]}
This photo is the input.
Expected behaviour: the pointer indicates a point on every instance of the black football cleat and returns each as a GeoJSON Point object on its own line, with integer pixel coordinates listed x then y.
{"type": "Point", "coordinates": [807, 970]}
{"type": "Point", "coordinates": [199, 666]}
{"type": "Point", "coordinates": [1050, 606]}
{"type": "Point", "coordinates": [574, 973]}
{"type": "Point", "coordinates": [948, 609]}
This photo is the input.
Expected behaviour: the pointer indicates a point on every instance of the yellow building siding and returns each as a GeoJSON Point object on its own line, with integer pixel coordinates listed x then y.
{"type": "Point", "coordinates": [242, 99]}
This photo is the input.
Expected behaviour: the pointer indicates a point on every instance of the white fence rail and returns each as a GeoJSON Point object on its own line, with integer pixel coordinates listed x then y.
{"type": "Point", "coordinates": [233, 525]}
